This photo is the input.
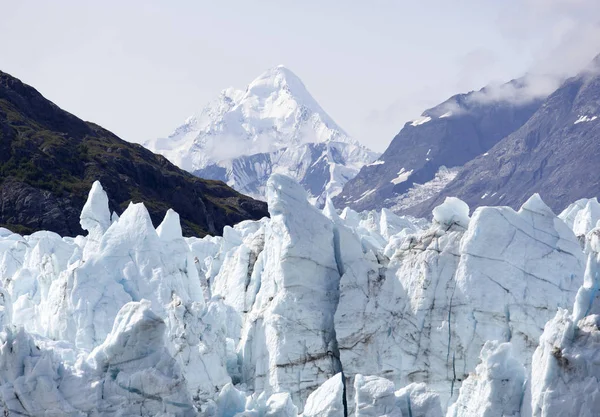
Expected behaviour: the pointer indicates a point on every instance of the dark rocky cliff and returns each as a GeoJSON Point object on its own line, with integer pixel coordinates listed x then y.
{"type": "Point", "coordinates": [50, 158]}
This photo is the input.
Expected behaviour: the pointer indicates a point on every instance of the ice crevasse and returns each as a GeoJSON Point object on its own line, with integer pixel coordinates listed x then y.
{"type": "Point", "coordinates": [308, 312]}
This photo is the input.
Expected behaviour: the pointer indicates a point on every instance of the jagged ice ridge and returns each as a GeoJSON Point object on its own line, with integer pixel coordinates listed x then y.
{"type": "Point", "coordinates": [313, 312]}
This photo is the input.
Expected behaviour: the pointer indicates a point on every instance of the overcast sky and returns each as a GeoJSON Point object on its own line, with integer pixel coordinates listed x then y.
{"type": "Point", "coordinates": [140, 68]}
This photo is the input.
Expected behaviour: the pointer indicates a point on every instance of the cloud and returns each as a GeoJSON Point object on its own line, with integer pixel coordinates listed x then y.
{"type": "Point", "coordinates": [562, 38]}
{"type": "Point", "coordinates": [566, 34]}
{"type": "Point", "coordinates": [538, 42]}
{"type": "Point", "coordinates": [524, 90]}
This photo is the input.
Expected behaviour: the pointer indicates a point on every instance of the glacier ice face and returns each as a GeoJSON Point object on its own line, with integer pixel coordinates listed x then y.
{"type": "Point", "coordinates": [426, 314]}
{"type": "Point", "coordinates": [297, 299]}
{"type": "Point", "coordinates": [582, 216]}
{"type": "Point", "coordinates": [134, 366]}
{"type": "Point", "coordinates": [130, 373]}
{"type": "Point", "coordinates": [78, 293]}
{"type": "Point", "coordinates": [565, 376]}
{"type": "Point", "coordinates": [327, 400]}
{"type": "Point", "coordinates": [496, 388]}
{"type": "Point", "coordinates": [322, 313]}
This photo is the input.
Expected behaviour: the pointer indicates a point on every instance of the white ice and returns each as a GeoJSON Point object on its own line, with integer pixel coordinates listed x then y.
{"type": "Point", "coordinates": [308, 312]}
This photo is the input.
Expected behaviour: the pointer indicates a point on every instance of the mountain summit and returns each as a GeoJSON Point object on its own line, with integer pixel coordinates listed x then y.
{"type": "Point", "coordinates": [274, 125]}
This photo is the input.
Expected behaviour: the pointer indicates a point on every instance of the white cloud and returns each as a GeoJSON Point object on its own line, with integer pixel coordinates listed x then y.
{"type": "Point", "coordinates": [524, 90]}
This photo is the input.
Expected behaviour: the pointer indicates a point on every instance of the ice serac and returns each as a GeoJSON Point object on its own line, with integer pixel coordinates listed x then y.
{"type": "Point", "coordinates": [95, 216]}
{"type": "Point", "coordinates": [170, 228]}
{"type": "Point", "coordinates": [565, 373]}
{"type": "Point", "coordinates": [417, 400]}
{"type": "Point", "coordinates": [375, 397]}
{"type": "Point", "coordinates": [130, 373]}
{"type": "Point", "coordinates": [280, 405]}
{"type": "Point", "coordinates": [496, 388]}
{"type": "Point", "coordinates": [425, 315]}
{"type": "Point", "coordinates": [134, 365]}
{"type": "Point", "coordinates": [327, 400]}
{"type": "Point", "coordinates": [582, 216]}
{"type": "Point", "coordinates": [288, 341]}
{"type": "Point", "coordinates": [95, 212]}
{"type": "Point", "coordinates": [452, 211]}
{"type": "Point", "coordinates": [274, 126]}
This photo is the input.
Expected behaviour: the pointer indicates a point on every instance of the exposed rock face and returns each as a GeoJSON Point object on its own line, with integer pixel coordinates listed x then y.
{"type": "Point", "coordinates": [446, 136]}
{"type": "Point", "coordinates": [552, 154]}
{"type": "Point", "coordinates": [50, 158]}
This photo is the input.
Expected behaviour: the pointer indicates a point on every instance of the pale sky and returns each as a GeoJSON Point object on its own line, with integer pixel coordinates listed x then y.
{"type": "Point", "coordinates": [140, 68]}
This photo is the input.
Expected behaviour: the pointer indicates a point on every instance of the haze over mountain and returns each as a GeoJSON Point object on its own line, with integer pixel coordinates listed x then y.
{"type": "Point", "coordinates": [490, 149]}
{"type": "Point", "coordinates": [554, 154]}
{"type": "Point", "coordinates": [274, 125]}
{"type": "Point", "coordinates": [50, 158]}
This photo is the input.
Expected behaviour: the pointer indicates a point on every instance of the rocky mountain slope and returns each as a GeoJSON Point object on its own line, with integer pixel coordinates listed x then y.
{"type": "Point", "coordinates": [275, 125]}
{"type": "Point", "coordinates": [50, 158]}
{"type": "Point", "coordinates": [553, 154]}
{"type": "Point", "coordinates": [428, 152]}
{"type": "Point", "coordinates": [321, 313]}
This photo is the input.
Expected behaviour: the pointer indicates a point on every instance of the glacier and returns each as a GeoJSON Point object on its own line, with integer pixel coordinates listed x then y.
{"type": "Point", "coordinates": [310, 312]}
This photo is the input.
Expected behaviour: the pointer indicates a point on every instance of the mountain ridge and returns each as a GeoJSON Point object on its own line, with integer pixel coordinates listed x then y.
{"type": "Point", "coordinates": [547, 155]}
{"type": "Point", "coordinates": [50, 158]}
{"type": "Point", "coordinates": [433, 146]}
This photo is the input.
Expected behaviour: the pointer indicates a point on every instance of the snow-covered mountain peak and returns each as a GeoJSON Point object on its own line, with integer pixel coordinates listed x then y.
{"type": "Point", "coordinates": [273, 125]}
{"type": "Point", "coordinates": [277, 78]}
{"type": "Point", "coordinates": [278, 92]}
{"type": "Point", "coordinates": [273, 112]}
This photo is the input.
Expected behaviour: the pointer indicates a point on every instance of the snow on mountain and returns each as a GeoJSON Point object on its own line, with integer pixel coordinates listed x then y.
{"type": "Point", "coordinates": [552, 154]}
{"type": "Point", "coordinates": [275, 125]}
{"type": "Point", "coordinates": [428, 152]}
{"type": "Point", "coordinates": [315, 312]}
